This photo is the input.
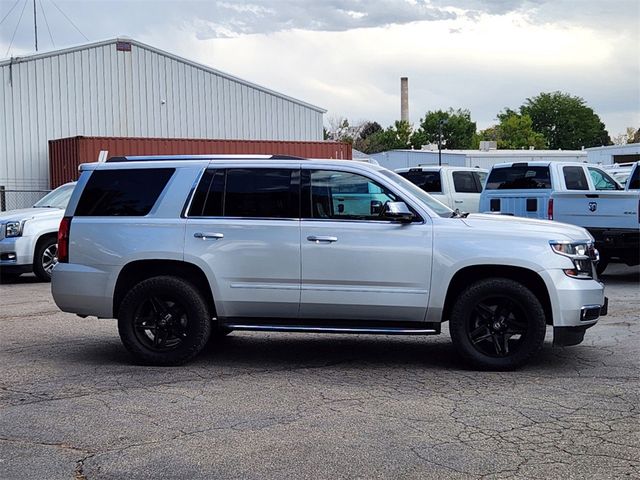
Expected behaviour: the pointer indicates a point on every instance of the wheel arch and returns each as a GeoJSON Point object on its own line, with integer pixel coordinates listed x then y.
{"type": "Point", "coordinates": [139, 270]}
{"type": "Point", "coordinates": [468, 275]}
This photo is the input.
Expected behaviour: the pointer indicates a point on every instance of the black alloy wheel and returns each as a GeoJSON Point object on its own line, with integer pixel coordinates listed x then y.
{"type": "Point", "coordinates": [497, 324]}
{"type": "Point", "coordinates": [164, 320]}
{"type": "Point", "coordinates": [160, 323]}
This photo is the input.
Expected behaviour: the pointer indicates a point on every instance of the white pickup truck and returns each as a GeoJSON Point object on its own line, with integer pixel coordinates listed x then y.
{"type": "Point", "coordinates": [570, 192]}
{"type": "Point", "coordinates": [457, 187]}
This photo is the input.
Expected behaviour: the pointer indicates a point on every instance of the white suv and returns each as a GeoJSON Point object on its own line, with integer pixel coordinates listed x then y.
{"type": "Point", "coordinates": [28, 236]}
{"type": "Point", "coordinates": [182, 248]}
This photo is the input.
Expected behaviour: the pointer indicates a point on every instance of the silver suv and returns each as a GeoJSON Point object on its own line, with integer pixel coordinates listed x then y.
{"type": "Point", "coordinates": [180, 249]}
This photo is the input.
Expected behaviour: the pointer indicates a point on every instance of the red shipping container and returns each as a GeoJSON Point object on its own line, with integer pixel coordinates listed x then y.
{"type": "Point", "coordinates": [65, 154]}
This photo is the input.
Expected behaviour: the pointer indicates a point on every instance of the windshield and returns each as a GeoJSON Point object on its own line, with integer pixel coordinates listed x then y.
{"type": "Point", "coordinates": [56, 199]}
{"type": "Point", "coordinates": [439, 208]}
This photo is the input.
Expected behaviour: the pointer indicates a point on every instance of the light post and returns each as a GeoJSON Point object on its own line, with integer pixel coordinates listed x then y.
{"type": "Point", "coordinates": [441, 122]}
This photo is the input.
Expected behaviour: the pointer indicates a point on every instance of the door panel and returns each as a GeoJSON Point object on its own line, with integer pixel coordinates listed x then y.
{"type": "Point", "coordinates": [256, 263]}
{"type": "Point", "coordinates": [356, 265]}
{"type": "Point", "coordinates": [371, 271]}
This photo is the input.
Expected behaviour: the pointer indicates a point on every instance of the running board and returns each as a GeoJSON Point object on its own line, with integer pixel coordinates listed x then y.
{"type": "Point", "coordinates": [318, 329]}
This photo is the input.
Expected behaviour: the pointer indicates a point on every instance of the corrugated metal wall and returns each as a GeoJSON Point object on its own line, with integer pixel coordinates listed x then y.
{"type": "Point", "coordinates": [67, 153]}
{"type": "Point", "coordinates": [100, 91]}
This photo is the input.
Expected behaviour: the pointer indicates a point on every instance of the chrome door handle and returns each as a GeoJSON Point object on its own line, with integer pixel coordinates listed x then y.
{"type": "Point", "coordinates": [322, 239]}
{"type": "Point", "coordinates": [208, 236]}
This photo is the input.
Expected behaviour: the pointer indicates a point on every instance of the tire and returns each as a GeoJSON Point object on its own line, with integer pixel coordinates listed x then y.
{"type": "Point", "coordinates": [164, 321]}
{"type": "Point", "coordinates": [497, 324]}
{"type": "Point", "coordinates": [602, 265]}
{"type": "Point", "coordinates": [45, 258]}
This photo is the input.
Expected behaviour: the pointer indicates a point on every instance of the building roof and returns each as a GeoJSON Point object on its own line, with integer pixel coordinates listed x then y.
{"type": "Point", "coordinates": [86, 46]}
{"type": "Point", "coordinates": [499, 153]}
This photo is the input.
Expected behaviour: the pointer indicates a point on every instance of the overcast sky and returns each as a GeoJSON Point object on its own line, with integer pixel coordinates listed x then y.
{"type": "Point", "coordinates": [348, 56]}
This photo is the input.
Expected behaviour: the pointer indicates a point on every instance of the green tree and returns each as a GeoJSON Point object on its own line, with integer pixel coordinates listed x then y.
{"type": "Point", "coordinates": [365, 140]}
{"type": "Point", "coordinates": [513, 132]}
{"type": "Point", "coordinates": [565, 121]}
{"type": "Point", "coordinates": [394, 137]}
{"type": "Point", "coordinates": [457, 129]}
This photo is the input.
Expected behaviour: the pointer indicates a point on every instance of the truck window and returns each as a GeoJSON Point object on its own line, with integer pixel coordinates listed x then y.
{"type": "Point", "coordinates": [634, 181]}
{"type": "Point", "coordinates": [602, 181]}
{"type": "Point", "coordinates": [482, 178]}
{"type": "Point", "coordinates": [574, 178]}
{"type": "Point", "coordinates": [465, 182]}
{"type": "Point", "coordinates": [519, 177]}
{"type": "Point", "coordinates": [428, 181]}
{"type": "Point", "coordinates": [123, 192]}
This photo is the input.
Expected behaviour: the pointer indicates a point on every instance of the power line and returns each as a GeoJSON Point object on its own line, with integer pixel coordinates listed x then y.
{"type": "Point", "coordinates": [46, 22]}
{"type": "Point", "coordinates": [70, 21]}
{"type": "Point", "coordinates": [14, 32]}
{"type": "Point", "coordinates": [9, 12]}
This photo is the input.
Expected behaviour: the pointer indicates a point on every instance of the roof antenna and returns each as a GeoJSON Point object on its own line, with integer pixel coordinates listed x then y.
{"type": "Point", "coordinates": [35, 24]}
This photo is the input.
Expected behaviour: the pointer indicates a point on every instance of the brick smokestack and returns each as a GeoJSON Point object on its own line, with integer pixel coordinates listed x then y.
{"type": "Point", "coordinates": [404, 99]}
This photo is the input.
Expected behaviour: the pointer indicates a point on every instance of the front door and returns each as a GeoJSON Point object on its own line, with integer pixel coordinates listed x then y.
{"type": "Point", "coordinates": [355, 265]}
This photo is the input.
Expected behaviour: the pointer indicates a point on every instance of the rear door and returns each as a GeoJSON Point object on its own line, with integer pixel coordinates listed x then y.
{"type": "Point", "coordinates": [243, 227]}
{"type": "Point", "coordinates": [466, 190]}
{"type": "Point", "coordinates": [356, 265]}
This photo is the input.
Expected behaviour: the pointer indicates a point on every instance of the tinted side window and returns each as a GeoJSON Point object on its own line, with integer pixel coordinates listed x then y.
{"type": "Point", "coordinates": [574, 178]}
{"type": "Point", "coordinates": [634, 181]}
{"type": "Point", "coordinates": [126, 192]}
{"type": "Point", "coordinates": [519, 178]}
{"type": "Point", "coordinates": [427, 181]}
{"type": "Point", "coordinates": [465, 182]}
{"type": "Point", "coordinates": [207, 199]}
{"type": "Point", "coordinates": [260, 192]}
{"type": "Point", "coordinates": [482, 178]}
{"type": "Point", "coordinates": [601, 180]}
{"type": "Point", "coordinates": [329, 201]}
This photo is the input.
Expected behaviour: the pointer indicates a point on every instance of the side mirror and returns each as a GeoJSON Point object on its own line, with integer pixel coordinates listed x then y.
{"type": "Point", "coordinates": [376, 207]}
{"type": "Point", "coordinates": [397, 211]}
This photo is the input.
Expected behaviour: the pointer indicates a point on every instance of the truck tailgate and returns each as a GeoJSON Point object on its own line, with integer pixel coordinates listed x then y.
{"type": "Point", "coordinates": [614, 209]}
{"type": "Point", "coordinates": [521, 203]}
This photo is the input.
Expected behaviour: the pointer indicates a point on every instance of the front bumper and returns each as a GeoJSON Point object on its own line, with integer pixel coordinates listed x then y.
{"type": "Point", "coordinates": [16, 253]}
{"type": "Point", "coordinates": [576, 305]}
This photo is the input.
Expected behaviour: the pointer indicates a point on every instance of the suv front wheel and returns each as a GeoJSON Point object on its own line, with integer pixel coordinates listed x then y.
{"type": "Point", "coordinates": [164, 321]}
{"type": "Point", "coordinates": [497, 324]}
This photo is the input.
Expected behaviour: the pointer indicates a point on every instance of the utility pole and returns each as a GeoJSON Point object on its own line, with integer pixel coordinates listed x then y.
{"type": "Point", "coordinates": [35, 24]}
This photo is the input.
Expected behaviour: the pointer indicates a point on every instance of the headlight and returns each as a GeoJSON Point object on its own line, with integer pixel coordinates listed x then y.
{"type": "Point", "coordinates": [582, 254]}
{"type": "Point", "coordinates": [13, 229]}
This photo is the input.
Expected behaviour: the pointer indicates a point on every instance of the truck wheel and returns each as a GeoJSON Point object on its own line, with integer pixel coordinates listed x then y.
{"type": "Point", "coordinates": [497, 324]}
{"type": "Point", "coordinates": [602, 265]}
{"type": "Point", "coordinates": [164, 321]}
{"type": "Point", "coordinates": [45, 258]}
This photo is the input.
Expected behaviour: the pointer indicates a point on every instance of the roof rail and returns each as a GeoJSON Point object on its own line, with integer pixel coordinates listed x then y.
{"type": "Point", "coordinates": [155, 158]}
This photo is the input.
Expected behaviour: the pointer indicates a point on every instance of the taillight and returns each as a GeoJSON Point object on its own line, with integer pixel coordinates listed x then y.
{"type": "Point", "coordinates": [63, 240]}
{"type": "Point", "coordinates": [550, 209]}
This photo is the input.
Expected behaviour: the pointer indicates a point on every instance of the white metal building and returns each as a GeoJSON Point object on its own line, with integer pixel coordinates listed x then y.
{"type": "Point", "coordinates": [122, 87]}
{"type": "Point", "coordinates": [614, 154]}
{"type": "Point", "coordinates": [473, 158]}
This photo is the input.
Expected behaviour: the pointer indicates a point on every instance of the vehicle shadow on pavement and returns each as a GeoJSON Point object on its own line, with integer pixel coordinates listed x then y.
{"type": "Point", "coordinates": [13, 280]}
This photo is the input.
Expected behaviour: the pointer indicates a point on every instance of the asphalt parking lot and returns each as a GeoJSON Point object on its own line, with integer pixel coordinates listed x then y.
{"type": "Point", "coordinates": [311, 406]}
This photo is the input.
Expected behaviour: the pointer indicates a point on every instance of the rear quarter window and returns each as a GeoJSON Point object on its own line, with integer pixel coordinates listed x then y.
{"type": "Point", "coordinates": [519, 178]}
{"type": "Point", "coordinates": [125, 192]}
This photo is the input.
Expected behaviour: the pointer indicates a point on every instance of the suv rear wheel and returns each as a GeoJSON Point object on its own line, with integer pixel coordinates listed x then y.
{"type": "Point", "coordinates": [497, 324]}
{"type": "Point", "coordinates": [164, 321]}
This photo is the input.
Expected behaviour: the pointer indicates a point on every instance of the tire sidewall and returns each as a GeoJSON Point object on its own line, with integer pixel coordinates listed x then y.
{"type": "Point", "coordinates": [38, 268]}
{"type": "Point", "coordinates": [526, 301]}
{"type": "Point", "coordinates": [198, 320]}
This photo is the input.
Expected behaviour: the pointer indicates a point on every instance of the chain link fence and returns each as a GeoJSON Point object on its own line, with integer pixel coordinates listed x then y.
{"type": "Point", "coordinates": [11, 199]}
